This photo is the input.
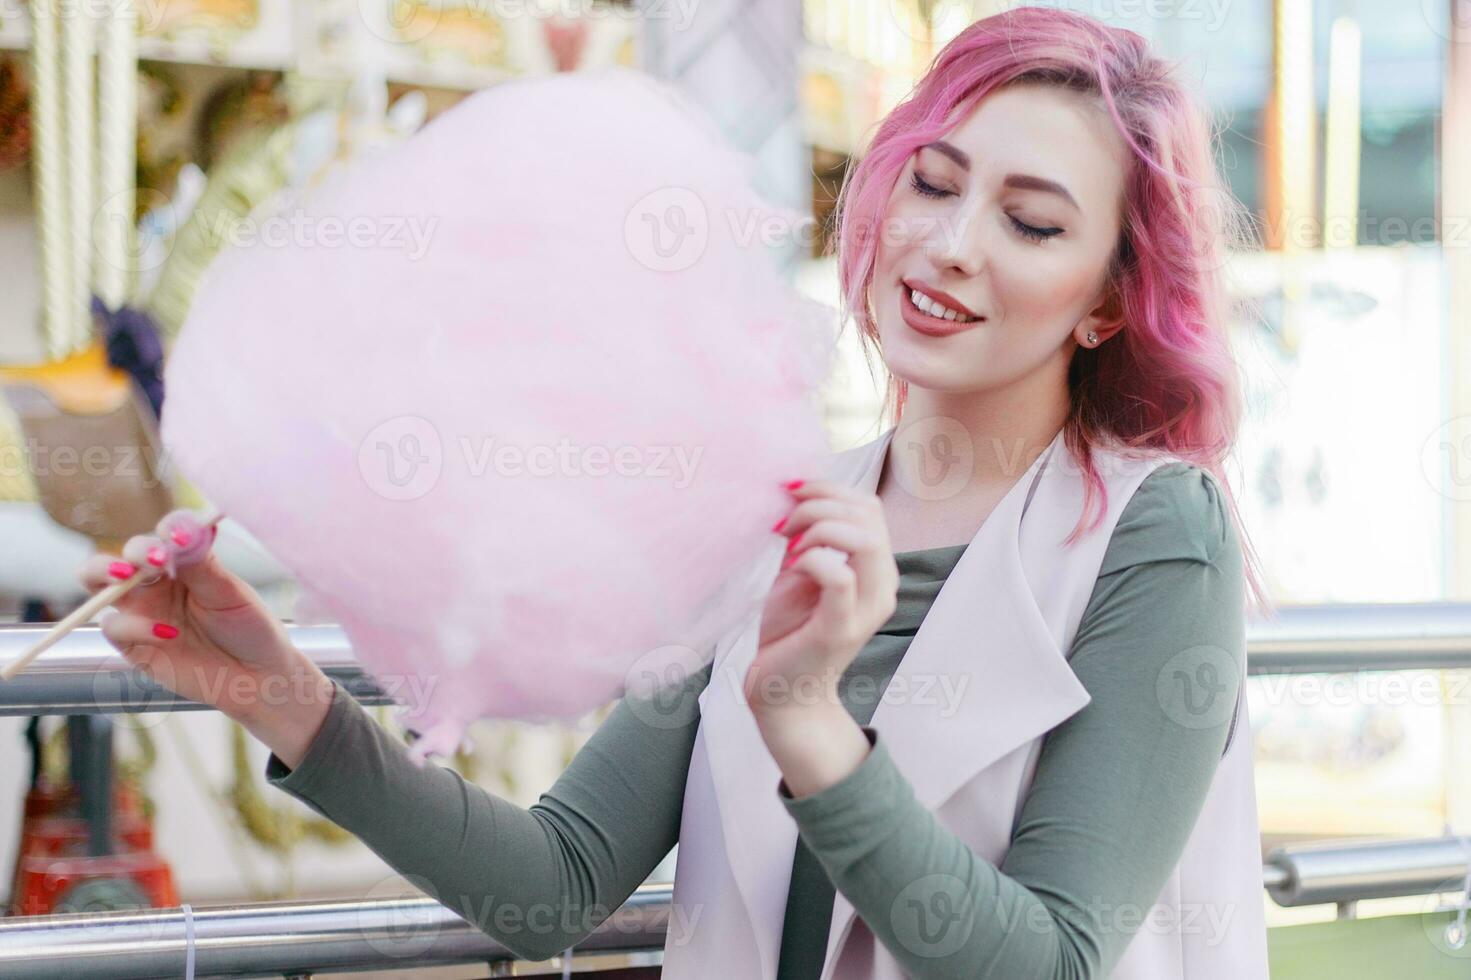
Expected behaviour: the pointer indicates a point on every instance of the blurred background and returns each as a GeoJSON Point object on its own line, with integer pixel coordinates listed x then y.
{"type": "Point", "coordinates": [136, 139]}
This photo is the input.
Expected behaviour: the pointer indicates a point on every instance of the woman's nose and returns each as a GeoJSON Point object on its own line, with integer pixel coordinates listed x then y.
{"type": "Point", "coordinates": [955, 244]}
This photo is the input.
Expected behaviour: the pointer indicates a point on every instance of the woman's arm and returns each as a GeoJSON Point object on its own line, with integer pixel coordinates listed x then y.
{"type": "Point", "coordinates": [536, 879]}
{"type": "Point", "coordinates": [1117, 788]}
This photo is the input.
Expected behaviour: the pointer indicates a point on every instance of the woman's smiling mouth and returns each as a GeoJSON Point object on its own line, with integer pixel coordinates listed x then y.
{"type": "Point", "coordinates": [932, 312]}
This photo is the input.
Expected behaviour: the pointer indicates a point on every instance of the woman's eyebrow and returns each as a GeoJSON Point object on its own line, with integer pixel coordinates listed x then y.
{"type": "Point", "coordinates": [1026, 182]}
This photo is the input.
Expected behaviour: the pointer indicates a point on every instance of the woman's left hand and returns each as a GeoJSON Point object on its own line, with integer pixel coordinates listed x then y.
{"type": "Point", "coordinates": [838, 585]}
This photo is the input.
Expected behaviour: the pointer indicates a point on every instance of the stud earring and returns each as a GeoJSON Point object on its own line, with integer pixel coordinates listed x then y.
{"type": "Point", "coordinates": [1092, 338]}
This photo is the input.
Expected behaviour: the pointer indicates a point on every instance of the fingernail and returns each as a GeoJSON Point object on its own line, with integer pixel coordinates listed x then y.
{"type": "Point", "coordinates": [788, 562]}
{"type": "Point", "coordinates": [121, 569]}
{"type": "Point", "coordinates": [157, 556]}
{"type": "Point", "coordinates": [164, 631]}
{"type": "Point", "coordinates": [779, 524]}
{"type": "Point", "coordinates": [792, 544]}
{"type": "Point", "coordinates": [181, 537]}
{"type": "Point", "coordinates": [793, 484]}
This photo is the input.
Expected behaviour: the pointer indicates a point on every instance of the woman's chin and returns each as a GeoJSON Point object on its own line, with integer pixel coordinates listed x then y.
{"type": "Point", "coordinates": [921, 367]}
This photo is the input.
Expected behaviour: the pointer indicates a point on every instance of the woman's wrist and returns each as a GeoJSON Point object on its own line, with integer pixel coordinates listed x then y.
{"type": "Point", "coordinates": [815, 745]}
{"type": "Point", "coordinates": [288, 722]}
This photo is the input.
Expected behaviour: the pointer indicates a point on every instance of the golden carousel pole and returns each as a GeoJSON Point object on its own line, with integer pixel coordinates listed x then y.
{"type": "Point", "coordinates": [1290, 134]}
{"type": "Point", "coordinates": [75, 401]}
{"type": "Point", "coordinates": [117, 125]}
{"type": "Point", "coordinates": [77, 40]}
{"type": "Point", "coordinates": [47, 164]}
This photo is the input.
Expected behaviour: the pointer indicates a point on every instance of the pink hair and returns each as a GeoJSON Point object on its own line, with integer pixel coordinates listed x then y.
{"type": "Point", "coordinates": [1168, 380]}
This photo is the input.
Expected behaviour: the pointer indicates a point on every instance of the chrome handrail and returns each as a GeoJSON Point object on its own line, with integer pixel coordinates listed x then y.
{"type": "Point", "coordinates": [1339, 871]}
{"type": "Point", "coordinates": [1347, 637]}
{"type": "Point", "coordinates": [289, 938]}
{"type": "Point", "coordinates": [83, 673]}
{"type": "Point", "coordinates": [277, 938]}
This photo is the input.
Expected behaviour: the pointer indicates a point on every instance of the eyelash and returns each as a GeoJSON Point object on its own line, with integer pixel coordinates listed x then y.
{"type": "Point", "coordinates": [922, 186]}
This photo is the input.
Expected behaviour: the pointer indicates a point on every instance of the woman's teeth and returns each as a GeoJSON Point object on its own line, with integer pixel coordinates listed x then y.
{"type": "Point", "coordinates": [933, 308]}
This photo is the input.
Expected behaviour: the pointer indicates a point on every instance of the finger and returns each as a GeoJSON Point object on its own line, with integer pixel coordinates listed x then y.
{"type": "Point", "coordinates": [837, 599]}
{"type": "Point", "coordinates": [788, 606]}
{"type": "Point", "coordinates": [147, 552]}
{"type": "Point", "coordinates": [102, 570]}
{"type": "Point", "coordinates": [867, 554]}
{"type": "Point", "coordinates": [195, 564]}
{"type": "Point", "coordinates": [863, 507]}
{"type": "Point", "coordinates": [809, 512]}
{"type": "Point", "coordinates": [834, 533]}
{"type": "Point", "coordinates": [187, 535]}
{"type": "Point", "coordinates": [146, 658]}
{"type": "Point", "coordinates": [809, 489]}
{"type": "Point", "coordinates": [127, 629]}
{"type": "Point", "coordinates": [214, 586]}
{"type": "Point", "coordinates": [206, 578]}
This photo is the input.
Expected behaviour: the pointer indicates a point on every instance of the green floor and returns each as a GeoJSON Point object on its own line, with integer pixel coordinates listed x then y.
{"type": "Point", "coordinates": [1402, 947]}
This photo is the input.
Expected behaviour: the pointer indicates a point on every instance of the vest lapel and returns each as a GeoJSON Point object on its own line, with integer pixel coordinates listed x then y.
{"type": "Point", "coordinates": [1008, 682]}
{"type": "Point", "coordinates": [985, 637]}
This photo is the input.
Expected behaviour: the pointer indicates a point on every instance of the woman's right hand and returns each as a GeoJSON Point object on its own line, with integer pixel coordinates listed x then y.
{"type": "Point", "coordinates": [198, 629]}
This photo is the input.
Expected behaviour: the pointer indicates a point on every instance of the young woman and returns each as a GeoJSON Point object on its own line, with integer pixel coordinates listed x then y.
{"type": "Point", "coordinates": [990, 722]}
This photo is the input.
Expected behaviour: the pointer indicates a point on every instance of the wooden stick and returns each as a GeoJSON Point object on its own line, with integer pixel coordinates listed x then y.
{"type": "Point", "coordinates": [82, 614]}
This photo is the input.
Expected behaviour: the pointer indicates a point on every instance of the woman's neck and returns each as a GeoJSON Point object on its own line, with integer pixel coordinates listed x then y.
{"type": "Point", "coordinates": [954, 457]}
{"type": "Point", "coordinates": [1001, 430]}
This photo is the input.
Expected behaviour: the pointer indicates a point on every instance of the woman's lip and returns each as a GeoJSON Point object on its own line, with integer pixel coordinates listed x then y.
{"type": "Point", "coordinates": [942, 297]}
{"type": "Point", "coordinates": [934, 326]}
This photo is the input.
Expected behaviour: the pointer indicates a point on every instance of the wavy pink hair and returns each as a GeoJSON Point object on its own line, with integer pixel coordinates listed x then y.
{"type": "Point", "coordinates": [1168, 380]}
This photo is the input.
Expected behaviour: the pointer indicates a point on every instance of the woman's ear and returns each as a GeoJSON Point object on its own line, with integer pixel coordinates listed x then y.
{"type": "Point", "coordinates": [1106, 319]}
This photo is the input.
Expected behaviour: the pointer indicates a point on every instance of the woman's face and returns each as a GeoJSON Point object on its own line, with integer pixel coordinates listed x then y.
{"type": "Point", "coordinates": [1013, 218]}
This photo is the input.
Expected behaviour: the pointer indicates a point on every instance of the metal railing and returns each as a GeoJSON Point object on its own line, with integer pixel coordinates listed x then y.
{"type": "Point", "coordinates": [287, 939]}
{"type": "Point", "coordinates": [1340, 638]}
{"type": "Point", "coordinates": [1346, 872]}
{"type": "Point", "coordinates": [83, 673]}
{"type": "Point", "coordinates": [297, 938]}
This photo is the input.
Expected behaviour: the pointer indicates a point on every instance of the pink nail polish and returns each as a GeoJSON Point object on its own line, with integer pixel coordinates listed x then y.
{"type": "Point", "coordinates": [121, 569]}
{"type": "Point", "coordinates": [779, 524]}
{"type": "Point", "coordinates": [792, 544]}
{"type": "Point", "coordinates": [793, 484]}
{"type": "Point", "coordinates": [181, 537]}
{"type": "Point", "coordinates": [157, 556]}
{"type": "Point", "coordinates": [164, 631]}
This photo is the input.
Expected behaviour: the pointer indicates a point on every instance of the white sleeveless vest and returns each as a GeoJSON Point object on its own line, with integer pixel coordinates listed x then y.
{"type": "Point", "coordinates": [1004, 617]}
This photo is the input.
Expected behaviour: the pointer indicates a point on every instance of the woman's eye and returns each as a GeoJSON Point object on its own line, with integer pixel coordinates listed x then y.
{"type": "Point", "coordinates": [924, 187]}
{"type": "Point", "coordinates": [1035, 234]}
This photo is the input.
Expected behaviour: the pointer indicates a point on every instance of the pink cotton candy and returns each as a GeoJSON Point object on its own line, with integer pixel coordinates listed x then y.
{"type": "Point", "coordinates": [573, 268]}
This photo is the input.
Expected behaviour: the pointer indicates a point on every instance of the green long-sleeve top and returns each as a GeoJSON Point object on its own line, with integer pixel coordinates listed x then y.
{"type": "Point", "coordinates": [1116, 789]}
